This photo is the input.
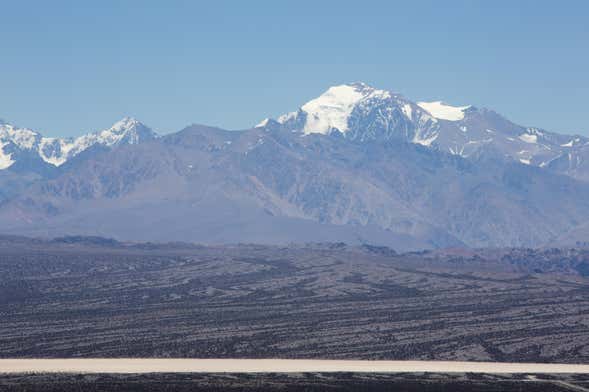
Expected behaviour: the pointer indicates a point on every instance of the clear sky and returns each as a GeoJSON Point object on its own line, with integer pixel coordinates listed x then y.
{"type": "Point", "coordinates": [68, 67]}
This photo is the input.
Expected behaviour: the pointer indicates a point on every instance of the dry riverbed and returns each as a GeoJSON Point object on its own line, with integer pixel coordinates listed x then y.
{"type": "Point", "coordinates": [183, 365]}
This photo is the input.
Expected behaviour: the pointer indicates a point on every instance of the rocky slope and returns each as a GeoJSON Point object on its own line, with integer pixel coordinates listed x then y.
{"type": "Point", "coordinates": [360, 112]}
{"type": "Point", "coordinates": [207, 184]}
{"type": "Point", "coordinates": [357, 165]}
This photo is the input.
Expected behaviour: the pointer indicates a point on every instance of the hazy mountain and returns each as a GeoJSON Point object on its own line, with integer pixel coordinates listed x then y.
{"type": "Point", "coordinates": [210, 185]}
{"type": "Point", "coordinates": [27, 156]}
{"type": "Point", "coordinates": [28, 149]}
{"type": "Point", "coordinates": [357, 165]}
{"type": "Point", "coordinates": [360, 112]}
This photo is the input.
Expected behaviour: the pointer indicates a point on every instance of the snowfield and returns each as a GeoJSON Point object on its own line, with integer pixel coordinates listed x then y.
{"type": "Point", "coordinates": [170, 365]}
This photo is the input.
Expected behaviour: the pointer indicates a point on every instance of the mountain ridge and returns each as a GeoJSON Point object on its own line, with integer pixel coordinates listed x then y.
{"type": "Point", "coordinates": [56, 151]}
{"type": "Point", "coordinates": [209, 185]}
{"type": "Point", "coordinates": [358, 111]}
{"type": "Point", "coordinates": [395, 175]}
{"type": "Point", "coordinates": [361, 112]}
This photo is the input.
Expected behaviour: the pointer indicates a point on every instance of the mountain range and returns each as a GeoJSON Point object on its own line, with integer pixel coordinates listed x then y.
{"type": "Point", "coordinates": [356, 164]}
{"type": "Point", "coordinates": [26, 149]}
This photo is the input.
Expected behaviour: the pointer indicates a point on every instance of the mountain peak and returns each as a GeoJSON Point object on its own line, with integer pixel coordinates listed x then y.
{"type": "Point", "coordinates": [359, 85]}
{"type": "Point", "coordinates": [22, 142]}
{"type": "Point", "coordinates": [125, 124]}
{"type": "Point", "coordinates": [127, 130]}
{"type": "Point", "coordinates": [332, 109]}
{"type": "Point", "coordinates": [22, 137]}
{"type": "Point", "coordinates": [262, 123]}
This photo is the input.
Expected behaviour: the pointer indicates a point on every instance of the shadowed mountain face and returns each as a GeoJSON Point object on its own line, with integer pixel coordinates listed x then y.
{"type": "Point", "coordinates": [270, 186]}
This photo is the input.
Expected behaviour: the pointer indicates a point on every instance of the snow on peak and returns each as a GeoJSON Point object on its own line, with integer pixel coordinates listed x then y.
{"type": "Point", "coordinates": [128, 129]}
{"type": "Point", "coordinates": [5, 159]}
{"type": "Point", "coordinates": [262, 123]}
{"type": "Point", "coordinates": [22, 137]}
{"type": "Point", "coordinates": [113, 134]}
{"type": "Point", "coordinates": [287, 117]}
{"type": "Point", "coordinates": [332, 109]}
{"type": "Point", "coordinates": [528, 138]}
{"type": "Point", "coordinates": [572, 142]}
{"type": "Point", "coordinates": [441, 111]}
{"type": "Point", "coordinates": [124, 124]}
{"type": "Point", "coordinates": [57, 151]}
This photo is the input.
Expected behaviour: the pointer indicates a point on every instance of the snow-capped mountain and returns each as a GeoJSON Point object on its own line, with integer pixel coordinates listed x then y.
{"type": "Point", "coordinates": [363, 113]}
{"type": "Point", "coordinates": [356, 164]}
{"type": "Point", "coordinates": [20, 144]}
{"type": "Point", "coordinates": [211, 185]}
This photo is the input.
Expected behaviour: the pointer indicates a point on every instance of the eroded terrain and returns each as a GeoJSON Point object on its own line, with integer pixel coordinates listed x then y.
{"type": "Point", "coordinates": [94, 298]}
{"type": "Point", "coordinates": [308, 382]}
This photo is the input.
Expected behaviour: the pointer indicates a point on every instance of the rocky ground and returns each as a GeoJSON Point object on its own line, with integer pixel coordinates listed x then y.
{"type": "Point", "coordinates": [96, 298]}
{"type": "Point", "coordinates": [308, 382]}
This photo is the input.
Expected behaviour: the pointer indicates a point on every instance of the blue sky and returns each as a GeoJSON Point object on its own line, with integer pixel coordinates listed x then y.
{"type": "Point", "coordinates": [68, 67]}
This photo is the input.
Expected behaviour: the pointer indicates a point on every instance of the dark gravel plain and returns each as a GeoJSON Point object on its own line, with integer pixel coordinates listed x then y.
{"type": "Point", "coordinates": [91, 297]}
{"type": "Point", "coordinates": [307, 382]}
